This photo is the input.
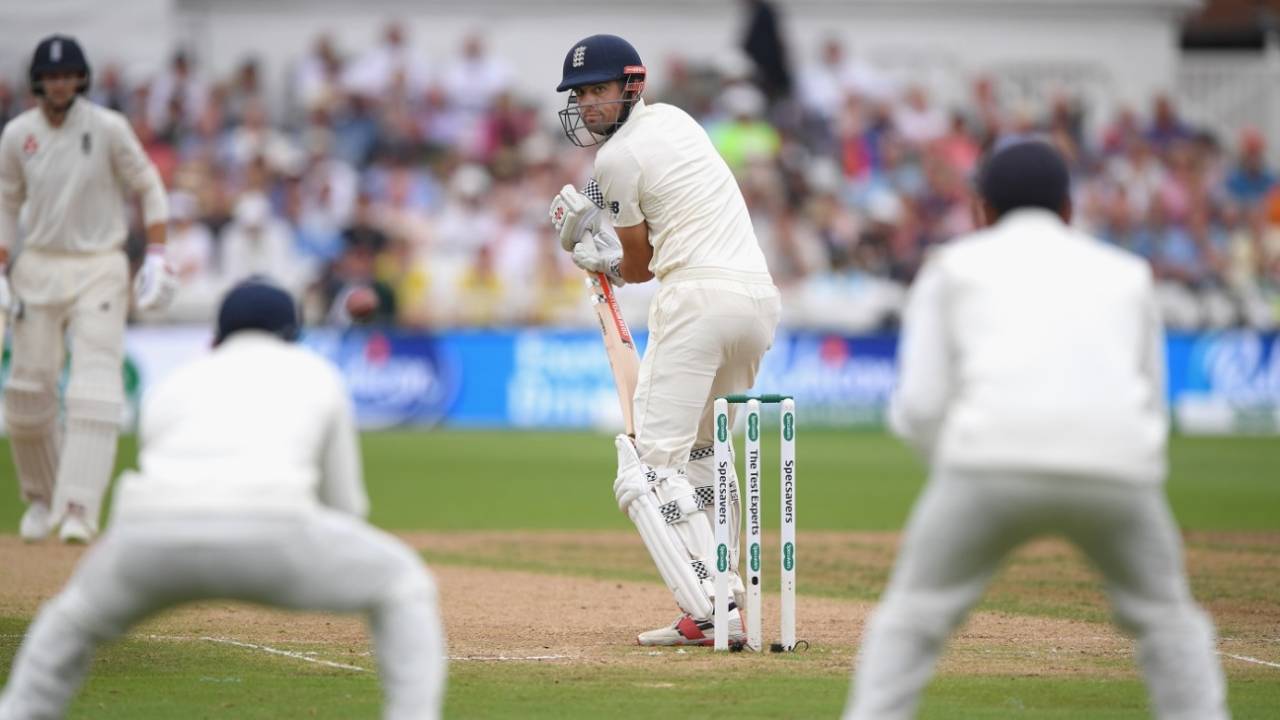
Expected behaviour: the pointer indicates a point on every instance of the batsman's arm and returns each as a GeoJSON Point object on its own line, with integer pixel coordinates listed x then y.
{"type": "Point", "coordinates": [132, 166]}
{"type": "Point", "coordinates": [637, 253]}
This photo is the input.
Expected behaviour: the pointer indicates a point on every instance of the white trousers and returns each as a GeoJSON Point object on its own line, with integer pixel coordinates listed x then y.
{"type": "Point", "coordinates": [81, 301]}
{"type": "Point", "coordinates": [322, 560]}
{"type": "Point", "coordinates": [706, 338]}
{"type": "Point", "coordinates": [966, 523]}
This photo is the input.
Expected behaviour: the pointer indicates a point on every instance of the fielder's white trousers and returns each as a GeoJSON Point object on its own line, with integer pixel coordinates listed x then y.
{"type": "Point", "coordinates": [322, 560]}
{"type": "Point", "coordinates": [966, 523]}
{"type": "Point", "coordinates": [706, 338]}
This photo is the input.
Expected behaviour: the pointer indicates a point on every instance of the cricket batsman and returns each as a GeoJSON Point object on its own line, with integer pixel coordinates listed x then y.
{"type": "Point", "coordinates": [678, 216]}
{"type": "Point", "coordinates": [64, 167]}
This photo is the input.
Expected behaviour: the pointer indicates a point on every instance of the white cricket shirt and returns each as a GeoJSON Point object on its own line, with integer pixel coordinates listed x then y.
{"type": "Point", "coordinates": [1031, 346]}
{"type": "Point", "coordinates": [661, 168]}
{"type": "Point", "coordinates": [69, 182]}
{"type": "Point", "coordinates": [257, 426]}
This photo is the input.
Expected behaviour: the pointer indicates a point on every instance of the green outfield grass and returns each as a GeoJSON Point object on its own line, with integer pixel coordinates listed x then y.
{"type": "Point", "coordinates": [460, 481]}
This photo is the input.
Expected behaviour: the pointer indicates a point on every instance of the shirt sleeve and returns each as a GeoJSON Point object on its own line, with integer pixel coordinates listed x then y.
{"type": "Point", "coordinates": [1153, 361]}
{"type": "Point", "coordinates": [341, 481]}
{"type": "Point", "coordinates": [13, 188]}
{"type": "Point", "coordinates": [919, 404]}
{"type": "Point", "coordinates": [132, 166]}
{"type": "Point", "coordinates": [618, 173]}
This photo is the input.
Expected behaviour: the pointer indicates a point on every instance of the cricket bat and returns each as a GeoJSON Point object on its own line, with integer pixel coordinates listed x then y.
{"type": "Point", "coordinates": [619, 345]}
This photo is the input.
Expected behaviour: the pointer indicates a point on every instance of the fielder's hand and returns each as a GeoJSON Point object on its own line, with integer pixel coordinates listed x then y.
{"type": "Point", "coordinates": [156, 283]}
{"type": "Point", "coordinates": [573, 215]}
{"type": "Point", "coordinates": [601, 253]}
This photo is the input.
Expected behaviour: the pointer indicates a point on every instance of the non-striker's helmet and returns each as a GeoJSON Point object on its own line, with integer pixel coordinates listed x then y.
{"type": "Point", "coordinates": [599, 58]}
{"type": "Point", "coordinates": [58, 54]}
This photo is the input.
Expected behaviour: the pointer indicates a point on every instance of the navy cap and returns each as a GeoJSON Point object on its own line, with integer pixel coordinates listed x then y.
{"type": "Point", "coordinates": [599, 58]}
{"type": "Point", "coordinates": [258, 304]}
{"type": "Point", "coordinates": [1024, 172]}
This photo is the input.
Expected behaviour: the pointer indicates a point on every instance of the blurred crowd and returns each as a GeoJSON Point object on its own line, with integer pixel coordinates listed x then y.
{"type": "Point", "coordinates": [427, 179]}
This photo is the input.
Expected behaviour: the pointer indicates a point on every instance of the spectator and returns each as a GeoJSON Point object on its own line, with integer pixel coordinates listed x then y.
{"type": "Point", "coordinates": [258, 243]}
{"type": "Point", "coordinates": [745, 135]}
{"type": "Point", "coordinates": [1250, 180]}
{"type": "Point", "coordinates": [177, 96]}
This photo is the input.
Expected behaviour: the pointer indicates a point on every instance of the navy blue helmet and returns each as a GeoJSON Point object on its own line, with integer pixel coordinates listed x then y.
{"type": "Point", "coordinates": [597, 59]}
{"type": "Point", "coordinates": [58, 54]}
{"type": "Point", "coordinates": [258, 304]}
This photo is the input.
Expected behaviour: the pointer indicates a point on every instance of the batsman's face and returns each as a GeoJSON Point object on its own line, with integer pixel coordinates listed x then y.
{"type": "Point", "coordinates": [60, 89]}
{"type": "Point", "coordinates": [599, 105]}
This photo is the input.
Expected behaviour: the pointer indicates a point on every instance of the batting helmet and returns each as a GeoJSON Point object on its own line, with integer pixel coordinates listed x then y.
{"type": "Point", "coordinates": [596, 59]}
{"type": "Point", "coordinates": [258, 304]}
{"type": "Point", "coordinates": [58, 54]}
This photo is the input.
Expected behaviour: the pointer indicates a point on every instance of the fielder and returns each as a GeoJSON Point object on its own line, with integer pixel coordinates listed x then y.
{"type": "Point", "coordinates": [680, 217]}
{"type": "Point", "coordinates": [65, 166]}
{"type": "Point", "coordinates": [249, 488]}
{"type": "Point", "coordinates": [1032, 380]}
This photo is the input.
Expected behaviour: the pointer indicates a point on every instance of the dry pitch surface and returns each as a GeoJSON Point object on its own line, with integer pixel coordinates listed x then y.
{"type": "Point", "coordinates": [578, 598]}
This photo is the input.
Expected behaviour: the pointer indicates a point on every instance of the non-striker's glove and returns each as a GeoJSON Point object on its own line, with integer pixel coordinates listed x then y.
{"type": "Point", "coordinates": [6, 295]}
{"type": "Point", "coordinates": [573, 215]}
{"type": "Point", "coordinates": [156, 283]}
{"type": "Point", "coordinates": [601, 253]}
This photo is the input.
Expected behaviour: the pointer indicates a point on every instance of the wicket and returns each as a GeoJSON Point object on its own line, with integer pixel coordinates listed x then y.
{"type": "Point", "coordinates": [787, 495]}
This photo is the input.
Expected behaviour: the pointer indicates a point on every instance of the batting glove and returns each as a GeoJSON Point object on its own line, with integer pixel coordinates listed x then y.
{"type": "Point", "coordinates": [632, 481]}
{"type": "Point", "coordinates": [573, 215]}
{"type": "Point", "coordinates": [156, 283]}
{"type": "Point", "coordinates": [601, 253]}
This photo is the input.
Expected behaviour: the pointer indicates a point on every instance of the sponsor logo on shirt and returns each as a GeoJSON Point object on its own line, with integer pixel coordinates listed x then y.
{"type": "Point", "coordinates": [86, 144]}
{"type": "Point", "coordinates": [614, 208]}
{"type": "Point", "coordinates": [30, 146]}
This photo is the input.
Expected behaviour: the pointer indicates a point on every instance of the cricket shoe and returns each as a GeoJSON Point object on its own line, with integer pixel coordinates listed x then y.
{"type": "Point", "coordinates": [76, 528]}
{"type": "Point", "coordinates": [36, 524]}
{"type": "Point", "coordinates": [688, 631]}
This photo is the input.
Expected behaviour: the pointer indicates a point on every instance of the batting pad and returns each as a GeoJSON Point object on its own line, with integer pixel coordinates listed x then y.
{"type": "Point", "coordinates": [673, 529]}
{"type": "Point", "coordinates": [31, 415]}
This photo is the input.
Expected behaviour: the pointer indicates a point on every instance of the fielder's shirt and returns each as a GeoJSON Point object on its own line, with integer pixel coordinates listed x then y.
{"type": "Point", "coordinates": [661, 168]}
{"type": "Point", "coordinates": [69, 182]}
{"type": "Point", "coordinates": [257, 426]}
{"type": "Point", "coordinates": [1031, 346]}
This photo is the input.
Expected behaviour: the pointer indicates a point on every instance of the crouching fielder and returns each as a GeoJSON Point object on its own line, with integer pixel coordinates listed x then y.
{"type": "Point", "coordinates": [1040, 407]}
{"type": "Point", "coordinates": [249, 489]}
{"type": "Point", "coordinates": [680, 217]}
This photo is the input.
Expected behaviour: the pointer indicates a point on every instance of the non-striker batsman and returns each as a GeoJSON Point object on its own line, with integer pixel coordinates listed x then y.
{"type": "Point", "coordinates": [65, 166]}
{"type": "Point", "coordinates": [680, 217]}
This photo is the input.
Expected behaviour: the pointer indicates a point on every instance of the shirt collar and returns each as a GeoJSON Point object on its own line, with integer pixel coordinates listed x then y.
{"type": "Point", "coordinates": [1030, 216]}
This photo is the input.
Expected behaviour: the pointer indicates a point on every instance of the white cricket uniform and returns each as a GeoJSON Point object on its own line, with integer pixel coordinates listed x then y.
{"type": "Point", "coordinates": [71, 283]}
{"type": "Point", "coordinates": [1032, 379]}
{"type": "Point", "coordinates": [249, 488]}
{"type": "Point", "coordinates": [709, 324]}
{"type": "Point", "coordinates": [717, 310]}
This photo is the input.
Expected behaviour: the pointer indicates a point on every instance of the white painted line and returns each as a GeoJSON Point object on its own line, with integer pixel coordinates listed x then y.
{"type": "Point", "coordinates": [1249, 659]}
{"type": "Point", "coordinates": [285, 653]}
{"type": "Point", "coordinates": [504, 657]}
